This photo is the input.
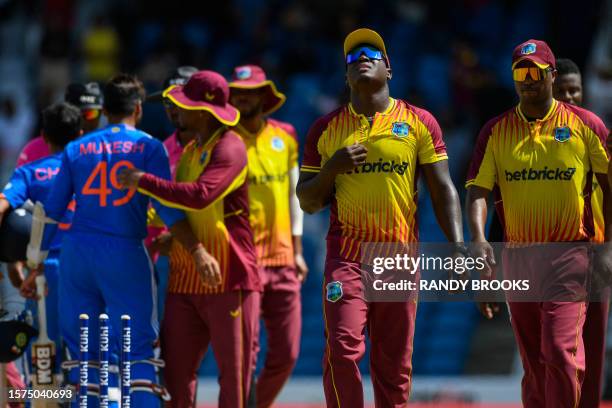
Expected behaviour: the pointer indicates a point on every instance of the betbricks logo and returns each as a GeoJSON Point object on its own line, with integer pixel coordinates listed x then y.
{"type": "Point", "coordinates": [545, 174]}
{"type": "Point", "coordinates": [381, 166]}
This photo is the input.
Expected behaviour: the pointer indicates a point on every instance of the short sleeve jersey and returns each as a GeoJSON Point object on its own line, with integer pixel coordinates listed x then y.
{"type": "Point", "coordinates": [375, 202]}
{"type": "Point", "coordinates": [272, 153]}
{"type": "Point", "coordinates": [544, 169]}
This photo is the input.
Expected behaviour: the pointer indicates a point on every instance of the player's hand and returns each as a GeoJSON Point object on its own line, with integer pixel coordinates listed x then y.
{"type": "Point", "coordinates": [460, 273]}
{"type": "Point", "coordinates": [484, 250]}
{"type": "Point", "coordinates": [301, 268]}
{"type": "Point", "coordinates": [207, 267]}
{"type": "Point", "coordinates": [15, 273]}
{"type": "Point", "coordinates": [488, 309]}
{"type": "Point", "coordinates": [347, 158]}
{"type": "Point", "coordinates": [129, 178]}
{"type": "Point", "coordinates": [28, 286]}
{"type": "Point", "coordinates": [162, 243]}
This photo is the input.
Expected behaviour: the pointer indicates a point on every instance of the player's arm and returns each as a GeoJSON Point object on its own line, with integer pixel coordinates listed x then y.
{"type": "Point", "coordinates": [445, 199]}
{"type": "Point", "coordinates": [315, 186]}
{"type": "Point", "coordinates": [225, 172]}
{"type": "Point", "coordinates": [58, 199]}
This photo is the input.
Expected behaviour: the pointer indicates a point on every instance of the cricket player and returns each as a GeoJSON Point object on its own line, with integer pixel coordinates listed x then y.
{"type": "Point", "coordinates": [362, 160]}
{"type": "Point", "coordinates": [159, 239]}
{"type": "Point", "coordinates": [33, 181]}
{"type": "Point", "coordinates": [568, 88]}
{"type": "Point", "coordinates": [541, 154]}
{"type": "Point", "coordinates": [105, 267]}
{"type": "Point", "coordinates": [88, 98]}
{"type": "Point", "coordinates": [211, 187]}
{"type": "Point", "coordinates": [276, 220]}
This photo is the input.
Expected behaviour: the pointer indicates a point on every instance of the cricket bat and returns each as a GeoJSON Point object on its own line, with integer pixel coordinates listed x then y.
{"type": "Point", "coordinates": [43, 349]}
{"type": "Point", "coordinates": [43, 353]}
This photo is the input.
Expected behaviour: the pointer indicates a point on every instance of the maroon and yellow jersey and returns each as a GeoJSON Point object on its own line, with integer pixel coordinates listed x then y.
{"type": "Point", "coordinates": [211, 187]}
{"type": "Point", "coordinates": [375, 202]}
{"type": "Point", "coordinates": [544, 169]}
{"type": "Point", "coordinates": [272, 153]}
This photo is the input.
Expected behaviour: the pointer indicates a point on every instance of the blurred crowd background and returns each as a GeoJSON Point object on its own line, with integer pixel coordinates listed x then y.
{"type": "Point", "coordinates": [450, 57]}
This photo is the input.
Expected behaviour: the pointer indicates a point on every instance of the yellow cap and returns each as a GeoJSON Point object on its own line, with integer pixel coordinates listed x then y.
{"type": "Point", "coordinates": [364, 36]}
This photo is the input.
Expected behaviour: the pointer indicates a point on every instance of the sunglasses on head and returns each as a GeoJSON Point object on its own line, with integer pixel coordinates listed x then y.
{"type": "Point", "coordinates": [90, 114]}
{"type": "Point", "coordinates": [535, 73]}
{"type": "Point", "coordinates": [370, 52]}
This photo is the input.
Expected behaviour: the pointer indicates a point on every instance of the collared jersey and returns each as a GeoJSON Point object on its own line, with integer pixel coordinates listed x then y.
{"type": "Point", "coordinates": [32, 181]}
{"type": "Point", "coordinates": [211, 187]}
{"type": "Point", "coordinates": [544, 170]}
{"type": "Point", "coordinates": [89, 172]}
{"type": "Point", "coordinates": [272, 153]}
{"type": "Point", "coordinates": [375, 202]}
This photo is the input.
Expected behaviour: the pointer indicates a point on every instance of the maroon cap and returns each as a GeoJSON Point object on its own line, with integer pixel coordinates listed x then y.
{"type": "Point", "coordinates": [535, 51]}
{"type": "Point", "coordinates": [205, 90]}
{"type": "Point", "coordinates": [254, 77]}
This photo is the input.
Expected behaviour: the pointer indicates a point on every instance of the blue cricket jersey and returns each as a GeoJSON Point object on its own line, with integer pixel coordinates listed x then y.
{"type": "Point", "coordinates": [33, 181]}
{"type": "Point", "coordinates": [89, 171]}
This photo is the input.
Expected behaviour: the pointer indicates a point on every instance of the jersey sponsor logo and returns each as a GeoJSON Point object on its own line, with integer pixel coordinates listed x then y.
{"type": "Point", "coordinates": [381, 167]}
{"type": "Point", "coordinates": [528, 48]}
{"type": "Point", "coordinates": [277, 144]}
{"type": "Point", "coordinates": [267, 178]}
{"type": "Point", "coordinates": [243, 73]}
{"type": "Point", "coordinates": [333, 291]}
{"type": "Point", "coordinates": [111, 148]}
{"type": "Point", "coordinates": [562, 134]}
{"type": "Point", "coordinates": [400, 129]}
{"type": "Point", "coordinates": [44, 174]}
{"type": "Point", "coordinates": [545, 174]}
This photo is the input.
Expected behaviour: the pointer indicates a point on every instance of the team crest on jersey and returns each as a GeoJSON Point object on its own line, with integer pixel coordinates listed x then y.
{"type": "Point", "coordinates": [400, 129]}
{"type": "Point", "coordinates": [334, 291]}
{"type": "Point", "coordinates": [278, 144]}
{"type": "Point", "coordinates": [562, 134]}
{"type": "Point", "coordinates": [203, 156]}
{"type": "Point", "coordinates": [243, 73]}
{"type": "Point", "coordinates": [528, 48]}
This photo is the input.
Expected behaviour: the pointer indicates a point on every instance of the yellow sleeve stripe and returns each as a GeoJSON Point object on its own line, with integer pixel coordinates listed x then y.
{"type": "Point", "coordinates": [435, 159]}
{"type": "Point", "coordinates": [310, 169]}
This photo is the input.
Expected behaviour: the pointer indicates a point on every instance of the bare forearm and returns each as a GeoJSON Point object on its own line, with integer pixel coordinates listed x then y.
{"type": "Point", "coordinates": [448, 211]}
{"type": "Point", "coordinates": [183, 233]}
{"type": "Point", "coordinates": [476, 209]}
{"type": "Point", "coordinates": [314, 193]}
{"type": "Point", "coordinates": [297, 244]}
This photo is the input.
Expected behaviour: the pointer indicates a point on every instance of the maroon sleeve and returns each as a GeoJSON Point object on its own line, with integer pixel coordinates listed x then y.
{"type": "Point", "coordinates": [479, 149]}
{"type": "Point", "coordinates": [592, 121]}
{"type": "Point", "coordinates": [228, 159]}
{"type": "Point", "coordinates": [312, 157]}
{"type": "Point", "coordinates": [433, 127]}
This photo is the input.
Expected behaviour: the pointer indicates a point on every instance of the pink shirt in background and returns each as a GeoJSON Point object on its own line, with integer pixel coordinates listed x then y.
{"type": "Point", "coordinates": [175, 150]}
{"type": "Point", "coordinates": [35, 149]}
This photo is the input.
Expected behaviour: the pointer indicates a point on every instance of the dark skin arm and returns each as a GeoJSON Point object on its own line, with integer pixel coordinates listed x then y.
{"type": "Point", "coordinates": [445, 199]}
{"type": "Point", "coordinates": [476, 209]}
{"type": "Point", "coordinates": [315, 190]}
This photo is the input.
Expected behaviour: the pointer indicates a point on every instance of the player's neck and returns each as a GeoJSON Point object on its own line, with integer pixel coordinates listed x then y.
{"type": "Point", "coordinates": [122, 120]}
{"type": "Point", "coordinates": [184, 136]}
{"type": "Point", "coordinates": [204, 135]}
{"type": "Point", "coordinates": [54, 149]}
{"type": "Point", "coordinates": [536, 110]}
{"type": "Point", "coordinates": [369, 103]}
{"type": "Point", "coordinates": [253, 124]}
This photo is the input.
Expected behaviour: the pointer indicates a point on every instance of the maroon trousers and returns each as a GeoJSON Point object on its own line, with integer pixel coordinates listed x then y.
{"type": "Point", "coordinates": [554, 334]}
{"type": "Point", "coordinates": [228, 322]}
{"type": "Point", "coordinates": [390, 326]}
{"type": "Point", "coordinates": [281, 312]}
